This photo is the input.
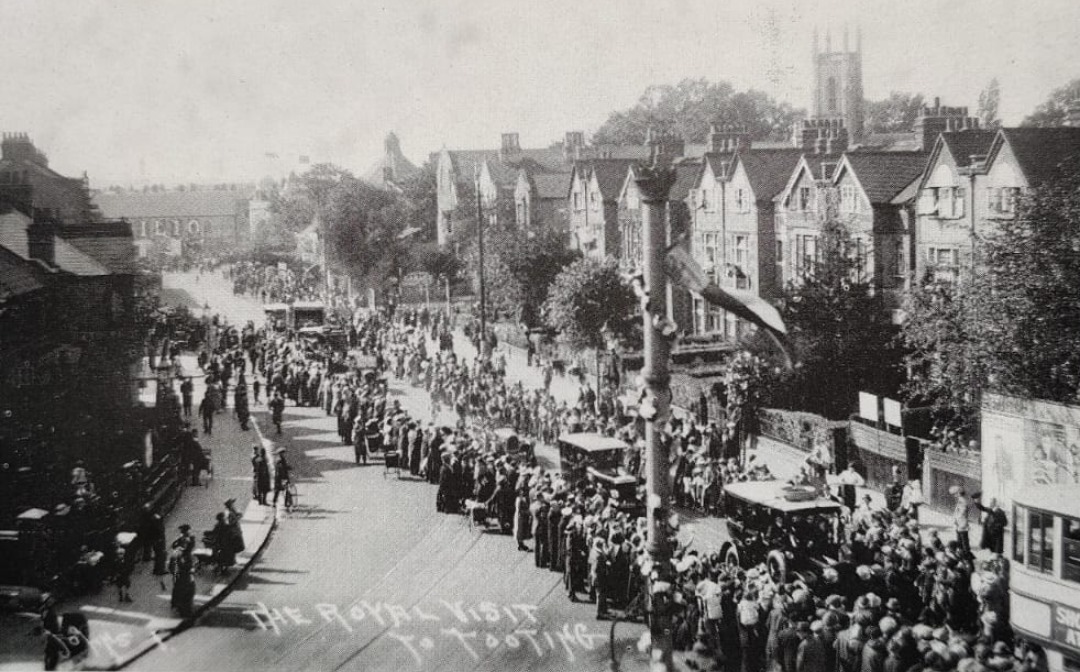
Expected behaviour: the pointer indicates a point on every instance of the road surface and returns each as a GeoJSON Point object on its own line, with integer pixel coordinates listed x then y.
{"type": "Point", "coordinates": [365, 575]}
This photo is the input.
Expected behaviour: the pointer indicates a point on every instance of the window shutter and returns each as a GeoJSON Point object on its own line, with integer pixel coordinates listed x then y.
{"type": "Point", "coordinates": [959, 202]}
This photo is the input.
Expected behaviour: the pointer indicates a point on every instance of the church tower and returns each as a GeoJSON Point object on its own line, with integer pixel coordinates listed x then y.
{"type": "Point", "coordinates": [838, 90]}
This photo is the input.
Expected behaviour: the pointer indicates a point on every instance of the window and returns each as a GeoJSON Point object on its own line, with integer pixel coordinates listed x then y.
{"type": "Point", "coordinates": [805, 199]}
{"type": "Point", "coordinates": [742, 201]}
{"type": "Point", "coordinates": [945, 262]}
{"type": "Point", "coordinates": [806, 255]}
{"type": "Point", "coordinates": [1041, 541]}
{"type": "Point", "coordinates": [577, 201]}
{"type": "Point", "coordinates": [958, 202]}
{"type": "Point", "coordinates": [1002, 200]}
{"type": "Point", "coordinates": [779, 251]}
{"type": "Point", "coordinates": [594, 201]}
{"type": "Point", "coordinates": [706, 201]}
{"type": "Point", "coordinates": [1070, 549]}
{"type": "Point", "coordinates": [742, 262]}
{"type": "Point", "coordinates": [1019, 533]}
{"type": "Point", "coordinates": [710, 249]}
{"type": "Point", "coordinates": [520, 214]}
{"type": "Point", "coordinates": [849, 202]}
{"type": "Point", "coordinates": [900, 259]}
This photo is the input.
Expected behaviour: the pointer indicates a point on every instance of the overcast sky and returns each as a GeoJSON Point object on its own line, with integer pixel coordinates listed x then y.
{"type": "Point", "coordinates": [197, 91]}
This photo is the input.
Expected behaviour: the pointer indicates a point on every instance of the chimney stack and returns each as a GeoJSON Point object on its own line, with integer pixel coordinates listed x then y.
{"type": "Point", "coordinates": [575, 141]}
{"type": "Point", "coordinates": [510, 149]}
{"type": "Point", "coordinates": [939, 119]}
{"type": "Point", "coordinates": [727, 138]}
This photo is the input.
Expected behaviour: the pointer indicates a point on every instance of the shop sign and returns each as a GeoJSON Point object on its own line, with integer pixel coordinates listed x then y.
{"type": "Point", "coordinates": [1065, 627]}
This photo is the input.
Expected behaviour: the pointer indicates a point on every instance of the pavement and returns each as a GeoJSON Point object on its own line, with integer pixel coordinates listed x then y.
{"type": "Point", "coordinates": [120, 632]}
{"type": "Point", "coordinates": [364, 574]}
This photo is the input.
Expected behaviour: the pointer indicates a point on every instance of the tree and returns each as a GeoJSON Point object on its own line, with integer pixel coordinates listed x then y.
{"type": "Point", "coordinates": [420, 191]}
{"type": "Point", "coordinates": [361, 223]}
{"type": "Point", "coordinates": [1012, 327]}
{"type": "Point", "coordinates": [532, 263]}
{"type": "Point", "coordinates": [688, 108]}
{"type": "Point", "coordinates": [843, 336]}
{"type": "Point", "coordinates": [895, 114]}
{"type": "Point", "coordinates": [989, 101]}
{"type": "Point", "coordinates": [587, 297]}
{"type": "Point", "coordinates": [1053, 111]}
{"type": "Point", "coordinates": [948, 371]}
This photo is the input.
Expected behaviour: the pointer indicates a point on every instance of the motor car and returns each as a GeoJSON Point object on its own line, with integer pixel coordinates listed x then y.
{"type": "Point", "coordinates": [789, 529]}
{"type": "Point", "coordinates": [579, 451]}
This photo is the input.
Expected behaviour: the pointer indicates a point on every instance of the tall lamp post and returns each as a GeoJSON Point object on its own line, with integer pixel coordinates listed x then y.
{"type": "Point", "coordinates": [480, 255]}
{"type": "Point", "coordinates": [654, 183]}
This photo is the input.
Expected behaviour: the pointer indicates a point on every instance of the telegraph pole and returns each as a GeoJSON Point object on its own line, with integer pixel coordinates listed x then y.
{"type": "Point", "coordinates": [654, 183]}
{"type": "Point", "coordinates": [480, 254]}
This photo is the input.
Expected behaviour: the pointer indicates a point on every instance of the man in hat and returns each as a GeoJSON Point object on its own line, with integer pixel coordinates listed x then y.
{"type": "Point", "coordinates": [183, 592]}
{"type": "Point", "coordinates": [811, 656]}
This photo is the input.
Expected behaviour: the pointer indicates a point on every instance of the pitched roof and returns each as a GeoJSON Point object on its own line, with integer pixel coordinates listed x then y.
{"type": "Point", "coordinates": [138, 205]}
{"type": "Point", "coordinates": [686, 176]}
{"type": "Point", "coordinates": [551, 185]}
{"type": "Point", "coordinates": [105, 248]}
{"type": "Point", "coordinates": [719, 162]}
{"type": "Point", "coordinates": [1041, 152]}
{"type": "Point", "coordinates": [962, 144]}
{"type": "Point", "coordinates": [822, 166]}
{"type": "Point", "coordinates": [769, 169]}
{"type": "Point", "coordinates": [18, 275]}
{"type": "Point", "coordinates": [610, 175]}
{"type": "Point", "coordinates": [883, 175]}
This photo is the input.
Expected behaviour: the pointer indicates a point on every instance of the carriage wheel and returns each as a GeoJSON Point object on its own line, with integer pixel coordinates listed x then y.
{"type": "Point", "coordinates": [777, 566]}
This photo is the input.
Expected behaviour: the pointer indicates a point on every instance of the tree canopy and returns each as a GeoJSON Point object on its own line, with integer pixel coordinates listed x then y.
{"type": "Point", "coordinates": [361, 223]}
{"type": "Point", "coordinates": [686, 109]}
{"type": "Point", "coordinates": [1013, 326]}
{"type": "Point", "coordinates": [895, 114]}
{"type": "Point", "coordinates": [1053, 111]}
{"type": "Point", "coordinates": [588, 296]}
{"type": "Point", "coordinates": [843, 336]}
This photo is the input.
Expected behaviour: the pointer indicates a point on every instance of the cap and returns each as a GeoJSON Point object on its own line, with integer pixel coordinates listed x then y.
{"type": "Point", "coordinates": [185, 527]}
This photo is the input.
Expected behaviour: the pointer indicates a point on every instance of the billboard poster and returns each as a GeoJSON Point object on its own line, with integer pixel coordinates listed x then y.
{"type": "Point", "coordinates": [1003, 457]}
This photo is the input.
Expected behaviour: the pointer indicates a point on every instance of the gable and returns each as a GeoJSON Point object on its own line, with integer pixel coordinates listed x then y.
{"type": "Point", "coordinates": [943, 175]}
{"type": "Point", "coordinates": [1005, 170]}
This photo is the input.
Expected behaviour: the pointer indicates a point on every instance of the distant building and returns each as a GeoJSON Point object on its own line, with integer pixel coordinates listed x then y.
{"type": "Point", "coordinates": [392, 168]}
{"type": "Point", "coordinates": [838, 88]}
{"type": "Point", "coordinates": [27, 182]}
{"type": "Point", "coordinates": [215, 219]}
{"type": "Point", "coordinates": [499, 174]}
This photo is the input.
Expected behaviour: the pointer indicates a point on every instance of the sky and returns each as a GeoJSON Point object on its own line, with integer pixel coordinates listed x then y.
{"type": "Point", "coordinates": [149, 91]}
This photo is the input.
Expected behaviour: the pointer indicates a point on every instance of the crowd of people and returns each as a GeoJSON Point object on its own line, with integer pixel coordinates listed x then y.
{"type": "Point", "coordinates": [898, 598]}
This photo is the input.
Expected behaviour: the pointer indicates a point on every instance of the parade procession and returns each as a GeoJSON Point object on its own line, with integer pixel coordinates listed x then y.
{"type": "Point", "coordinates": [772, 368]}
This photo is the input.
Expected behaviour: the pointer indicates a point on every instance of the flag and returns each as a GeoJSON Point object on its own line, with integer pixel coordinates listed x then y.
{"type": "Point", "coordinates": [682, 270]}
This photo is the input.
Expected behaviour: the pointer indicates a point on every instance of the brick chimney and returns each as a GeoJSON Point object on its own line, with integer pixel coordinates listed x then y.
{"type": "Point", "coordinates": [41, 239]}
{"type": "Point", "coordinates": [664, 148]}
{"type": "Point", "coordinates": [727, 138]}
{"type": "Point", "coordinates": [572, 145]}
{"type": "Point", "coordinates": [510, 150]}
{"type": "Point", "coordinates": [19, 147]}
{"type": "Point", "coordinates": [821, 136]}
{"type": "Point", "coordinates": [933, 121]}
